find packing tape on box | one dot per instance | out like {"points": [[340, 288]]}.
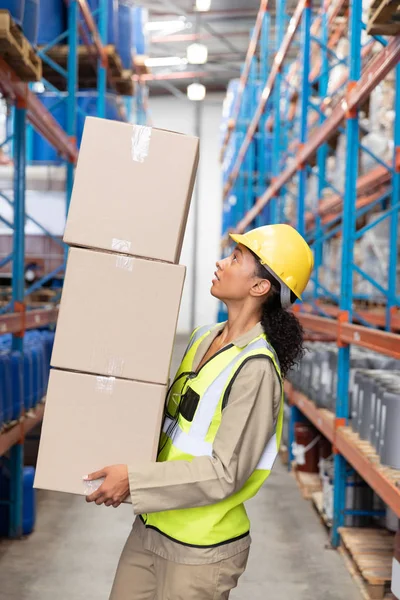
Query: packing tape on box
{"points": [[89, 487], [115, 366], [120, 245], [124, 262], [140, 142], [105, 385]]}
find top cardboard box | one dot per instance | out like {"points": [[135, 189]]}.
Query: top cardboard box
{"points": [[132, 190]]}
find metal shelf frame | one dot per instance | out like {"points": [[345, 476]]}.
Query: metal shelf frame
{"points": [[295, 109], [28, 110]]}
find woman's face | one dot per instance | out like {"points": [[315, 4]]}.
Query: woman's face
{"points": [[235, 276]]}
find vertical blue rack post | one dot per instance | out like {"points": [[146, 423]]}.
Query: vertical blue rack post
{"points": [[346, 290], [18, 270], [72, 86], [276, 144], [102, 68], [394, 218]]}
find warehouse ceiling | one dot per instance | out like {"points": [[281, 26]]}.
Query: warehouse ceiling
{"points": [[225, 30]]}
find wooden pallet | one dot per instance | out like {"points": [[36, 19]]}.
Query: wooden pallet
{"points": [[87, 68], [369, 553], [308, 483], [370, 453], [384, 18], [17, 51], [318, 503]]}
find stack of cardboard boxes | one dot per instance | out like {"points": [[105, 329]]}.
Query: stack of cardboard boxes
{"points": [[120, 301]]}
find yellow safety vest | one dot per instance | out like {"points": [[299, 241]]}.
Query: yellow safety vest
{"points": [[193, 416]]}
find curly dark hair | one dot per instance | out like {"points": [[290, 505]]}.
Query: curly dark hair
{"points": [[281, 327]]}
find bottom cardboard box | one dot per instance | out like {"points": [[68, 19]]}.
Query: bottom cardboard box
{"points": [[91, 422]]}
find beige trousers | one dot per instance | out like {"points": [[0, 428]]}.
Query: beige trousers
{"points": [[143, 575]]}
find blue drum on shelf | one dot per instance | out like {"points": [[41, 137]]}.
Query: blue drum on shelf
{"points": [[125, 34], [31, 20], [28, 501], [52, 21], [6, 385], [17, 380], [139, 35], [28, 379], [42, 151], [112, 20]]}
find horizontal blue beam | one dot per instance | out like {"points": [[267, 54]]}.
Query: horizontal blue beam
{"points": [[53, 65], [53, 43], [35, 222], [370, 279], [377, 221]]}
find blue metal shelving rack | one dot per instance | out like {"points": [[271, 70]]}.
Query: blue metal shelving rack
{"points": [[28, 109], [303, 118]]}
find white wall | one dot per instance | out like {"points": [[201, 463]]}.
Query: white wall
{"points": [[168, 112]]}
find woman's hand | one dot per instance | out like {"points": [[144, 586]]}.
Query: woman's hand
{"points": [[115, 487]]}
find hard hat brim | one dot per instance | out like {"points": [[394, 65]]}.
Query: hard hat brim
{"points": [[242, 239]]}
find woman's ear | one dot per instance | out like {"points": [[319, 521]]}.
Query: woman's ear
{"points": [[260, 288]]}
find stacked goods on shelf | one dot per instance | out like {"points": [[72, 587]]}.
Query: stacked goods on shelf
{"points": [[375, 256], [120, 301], [316, 376], [376, 412], [228, 107], [23, 375]]}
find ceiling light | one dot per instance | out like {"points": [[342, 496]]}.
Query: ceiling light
{"points": [[170, 26], [203, 5], [197, 54], [196, 92], [165, 61]]}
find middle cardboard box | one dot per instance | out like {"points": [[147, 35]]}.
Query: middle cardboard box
{"points": [[118, 316]]}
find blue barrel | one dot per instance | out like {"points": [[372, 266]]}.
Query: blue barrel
{"points": [[125, 34], [6, 385], [2, 420], [33, 349], [42, 151], [41, 370], [31, 20], [52, 21], [139, 36], [28, 379], [16, 8], [112, 20], [48, 342], [17, 381], [28, 501]]}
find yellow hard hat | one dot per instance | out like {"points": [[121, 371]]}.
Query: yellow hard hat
{"points": [[283, 251]]}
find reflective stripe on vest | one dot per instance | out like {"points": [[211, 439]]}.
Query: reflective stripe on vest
{"points": [[184, 440]]}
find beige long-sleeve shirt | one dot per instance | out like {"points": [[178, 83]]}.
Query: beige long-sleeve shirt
{"points": [[247, 425]]}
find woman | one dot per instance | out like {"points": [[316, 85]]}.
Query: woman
{"points": [[221, 431]]}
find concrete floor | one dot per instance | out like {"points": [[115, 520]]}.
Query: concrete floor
{"points": [[73, 553]]}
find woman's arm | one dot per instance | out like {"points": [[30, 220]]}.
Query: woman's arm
{"points": [[246, 427]]}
